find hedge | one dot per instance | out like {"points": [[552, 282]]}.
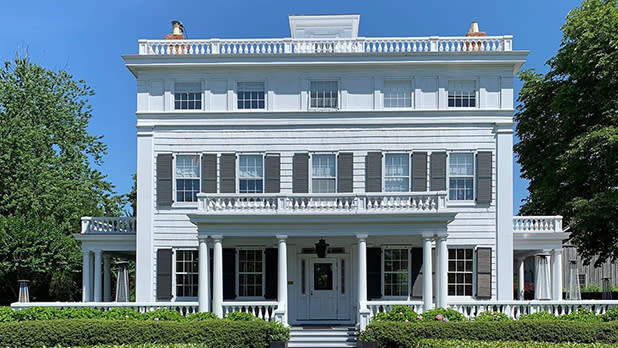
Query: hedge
{"points": [[430, 343], [75, 332], [397, 334], [50, 313]]}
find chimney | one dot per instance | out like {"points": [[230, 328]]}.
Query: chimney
{"points": [[474, 30], [178, 32]]}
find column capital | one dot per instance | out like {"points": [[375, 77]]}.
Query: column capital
{"points": [[556, 251], [203, 238], [217, 238], [97, 251], [362, 237], [281, 237], [429, 237], [107, 257], [441, 238]]}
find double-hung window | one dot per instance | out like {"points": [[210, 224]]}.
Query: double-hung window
{"points": [[188, 96], [250, 272], [250, 174], [461, 176], [461, 94], [460, 271], [396, 272], [324, 94], [323, 173], [396, 172], [397, 94], [186, 273], [187, 178], [250, 95]]}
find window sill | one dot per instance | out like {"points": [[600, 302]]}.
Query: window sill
{"points": [[323, 109], [184, 299], [184, 205], [249, 298], [461, 203]]}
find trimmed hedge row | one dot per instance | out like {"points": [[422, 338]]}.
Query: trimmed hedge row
{"points": [[49, 313], [397, 334], [497, 344], [74, 332]]}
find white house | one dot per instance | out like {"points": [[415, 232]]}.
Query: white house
{"points": [[320, 178]]}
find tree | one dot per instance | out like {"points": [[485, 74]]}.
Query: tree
{"points": [[47, 172], [567, 122]]}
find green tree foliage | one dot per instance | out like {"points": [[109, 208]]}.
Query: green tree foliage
{"points": [[48, 178], [567, 123]]}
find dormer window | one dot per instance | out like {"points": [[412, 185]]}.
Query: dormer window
{"points": [[461, 94], [324, 95], [187, 96]]}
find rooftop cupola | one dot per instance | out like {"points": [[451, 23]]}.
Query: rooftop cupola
{"points": [[324, 26]]}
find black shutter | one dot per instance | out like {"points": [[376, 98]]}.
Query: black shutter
{"points": [[419, 171], [374, 273], [483, 273], [209, 173], [227, 173], [300, 173], [164, 274], [483, 177], [273, 173], [271, 258], [345, 172], [416, 272], [229, 273], [373, 172], [438, 171], [164, 179]]}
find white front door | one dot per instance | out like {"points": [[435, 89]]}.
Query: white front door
{"points": [[323, 289]]}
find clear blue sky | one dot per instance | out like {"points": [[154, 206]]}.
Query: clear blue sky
{"points": [[87, 39]]}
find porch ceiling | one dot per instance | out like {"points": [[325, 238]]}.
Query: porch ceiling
{"points": [[121, 242], [539, 240]]}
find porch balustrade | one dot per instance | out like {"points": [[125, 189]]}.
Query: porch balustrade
{"points": [[537, 224], [261, 309], [184, 308], [123, 224]]}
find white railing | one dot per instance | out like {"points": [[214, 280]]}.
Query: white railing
{"points": [[122, 224], [183, 308], [385, 306], [320, 203], [532, 224], [287, 46], [261, 309]]}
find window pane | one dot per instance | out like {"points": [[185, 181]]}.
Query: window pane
{"points": [[397, 94], [396, 272], [323, 94], [186, 273], [250, 95], [460, 273], [250, 266], [397, 172], [461, 94], [188, 96], [461, 174]]}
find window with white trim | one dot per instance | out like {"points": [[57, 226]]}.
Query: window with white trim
{"points": [[323, 173], [461, 176], [460, 271], [461, 94], [250, 95], [186, 273], [250, 272], [187, 178], [250, 173], [323, 94], [397, 94], [187, 96], [397, 172], [396, 272]]}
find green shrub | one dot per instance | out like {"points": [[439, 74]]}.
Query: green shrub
{"points": [[202, 316], [401, 313], [432, 343], [610, 315], [581, 314], [6, 314], [240, 316], [492, 316], [441, 314], [37, 313], [80, 313], [538, 316], [164, 314]]}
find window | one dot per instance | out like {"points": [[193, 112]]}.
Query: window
{"points": [[460, 272], [188, 96], [250, 276], [396, 172], [323, 177], [250, 95], [186, 273], [461, 176], [324, 94], [187, 178], [251, 174], [397, 94], [396, 272], [323, 276], [461, 94]]}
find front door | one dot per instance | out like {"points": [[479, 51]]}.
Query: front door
{"points": [[323, 280]]}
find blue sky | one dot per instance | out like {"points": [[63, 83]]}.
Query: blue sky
{"points": [[87, 39]]}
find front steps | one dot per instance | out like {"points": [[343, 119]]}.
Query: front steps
{"points": [[322, 336]]}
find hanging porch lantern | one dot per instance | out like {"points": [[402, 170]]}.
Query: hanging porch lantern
{"points": [[321, 247]]}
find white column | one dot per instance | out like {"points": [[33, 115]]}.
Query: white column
{"points": [[520, 279], [427, 274], [203, 269], [144, 249], [282, 281], [442, 272], [107, 278], [86, 277], [556, 274], [98, 280], [363, 311], [217, 276], [504, 212]]}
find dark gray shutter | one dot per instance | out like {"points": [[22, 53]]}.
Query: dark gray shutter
{"points": [[373, 172], [416, 272], [419, 171], [164, 179], [271, 258], [483, 177], [483, 273], [345, 172], [227, 173], [374, 273], [229, 273], [164, 274], [300, 173], [209, 173], [438, 171], [273, 173]]}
